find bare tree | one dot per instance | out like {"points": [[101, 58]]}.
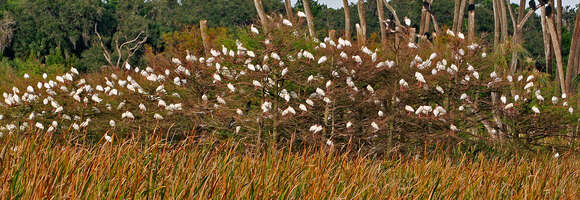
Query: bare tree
{"points": [[289, 11], [496, 25], [382, 22], [130, 47], [347, 32], [456, 14], [461, 16], [262, 14], [557, 50], [471, 21], [573, 59], [363, 21], [517, 27], [547, 41], [309, 18], [504, 20], [204, 37]]}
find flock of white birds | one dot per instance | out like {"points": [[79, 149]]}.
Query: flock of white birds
{"points": [[52, 114]]}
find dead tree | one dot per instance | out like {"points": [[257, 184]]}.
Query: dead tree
{"points": [[204, 37], [516, 37], [456, 14], [461, 16], [547, 41], [471, 21], [289, 11], [504, 20], [363, 22], [347, 32], [573, 59], [309, 18], [262, 15], [382, 22], [557, 50], [129, 48], [496, 25]]}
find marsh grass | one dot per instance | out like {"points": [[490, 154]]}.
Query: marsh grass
{"points": [[36, 167]]}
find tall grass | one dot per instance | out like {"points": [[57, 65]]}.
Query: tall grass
{"points": [[35, 167]]}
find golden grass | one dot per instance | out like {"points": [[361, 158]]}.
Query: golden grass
{"points": [[35, 167]]}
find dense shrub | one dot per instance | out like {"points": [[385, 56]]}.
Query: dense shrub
{"points": [[283, 87]]}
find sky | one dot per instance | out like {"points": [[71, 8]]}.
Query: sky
{"points": [[338, 3]]}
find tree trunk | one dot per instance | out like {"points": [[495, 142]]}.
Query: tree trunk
{"points": [[262, 15], [471, 21], [309, 18], [571, 72], [381, 13], [558, 52], [363, 21], [332, 34], [423, 16], [504, 21], [456, 14], [559, 21], [359, 35], [427, 19], [496, 24], [347, 33], [205, 37], [461, 16], [289, 11], [547, 45]]}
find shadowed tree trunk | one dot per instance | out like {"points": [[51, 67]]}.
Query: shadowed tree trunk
{"points": [[427, 18], [289, 11], [262, 15], [573, 64], [381, 14], [496, 24], [504, 21], [363, 21], [204, 37], [471, 21], [309, 18], [456, 14], [547, 43], [461, 16], [347, 32], [557, 51]]}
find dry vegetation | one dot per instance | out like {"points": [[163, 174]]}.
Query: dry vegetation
{"points": [[33, 167]]}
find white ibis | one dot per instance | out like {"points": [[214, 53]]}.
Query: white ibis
{"points": [[322, 59], [375, 126], [554, 100], [112, 123], [348, 124], [407, 21], [571, 110], [530, 78], [409, 109], [157, 116], [231, 87], [536, 110], [420, 78], [303, 107], [503, 99], [301, 14], [461, 36], [108, 138], [287, 22], [254, 29]]}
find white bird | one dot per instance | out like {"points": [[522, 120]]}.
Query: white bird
{"points": [[322, 60], [539, 97], [239, 111], [554, 100], [142, 107], [536, 110], [301, 14], [287, 22], [517, 97], [108, 138], [407, 21], [530, 77], [463, 96], [112, 123], [231, 87], [303, 107], [370, 89], [26, 76], [380, 113], [348, 124], [310, 78], [316, 128], [127, 66], [217, 78], [220, 100], [571, 110], [254, 29], [309, 102], [508, 106], [256, 83], [453, 128], [409, 109], [529, 85], [375, 126], [320, 92], [460, 36], [420, 78], [440, 89], [157, 116], [503, 99]]}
